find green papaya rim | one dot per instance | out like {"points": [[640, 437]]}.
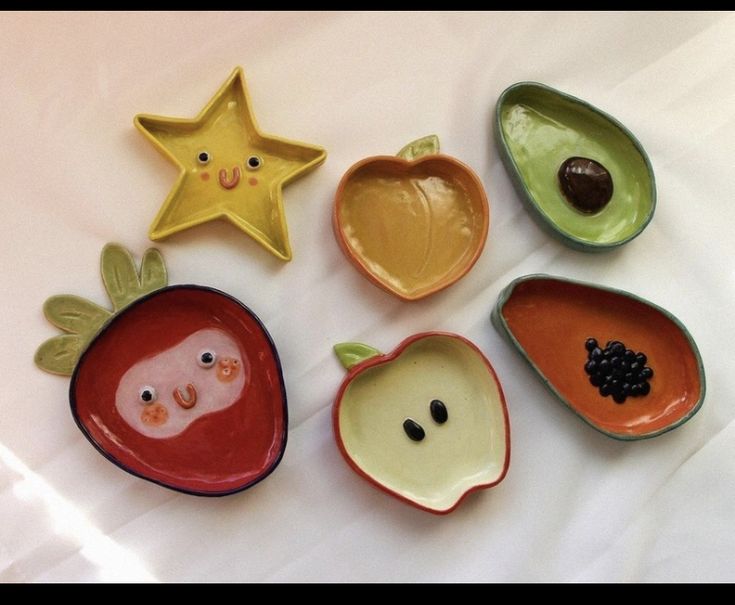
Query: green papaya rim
{"points": [[512, 167], [501, 326]]}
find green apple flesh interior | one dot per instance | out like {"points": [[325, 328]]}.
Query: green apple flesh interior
{"points": [[427, 423]]}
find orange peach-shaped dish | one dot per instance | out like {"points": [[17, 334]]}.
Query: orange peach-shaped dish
{"points": [[414, 223]]}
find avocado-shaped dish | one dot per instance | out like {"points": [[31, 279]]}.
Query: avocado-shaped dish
{"points": [[582, 174], [627, 367]]}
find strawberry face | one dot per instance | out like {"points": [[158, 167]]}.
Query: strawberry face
{"points": [[162, 396], [184, 388]]}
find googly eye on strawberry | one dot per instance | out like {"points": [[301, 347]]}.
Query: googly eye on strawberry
{"points": [[147, 395], [179, 385], [206, 359]]}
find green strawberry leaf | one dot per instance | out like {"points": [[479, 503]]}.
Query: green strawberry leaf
{"points": [[152, 272], [59, 355], [75, 314], [120, 276]]}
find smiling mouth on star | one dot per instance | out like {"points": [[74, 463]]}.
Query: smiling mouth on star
{"points": [[190, 400], [229, 183]]}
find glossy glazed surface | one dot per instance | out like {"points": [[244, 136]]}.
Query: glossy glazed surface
{"points": [[539, 129], [467, 451], [181, 389], [412, 227], [360, 83], [241, 178], [549, 320], [226, 445]]}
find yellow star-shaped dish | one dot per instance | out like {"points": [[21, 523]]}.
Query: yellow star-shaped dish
{"points": [[229, 169]]}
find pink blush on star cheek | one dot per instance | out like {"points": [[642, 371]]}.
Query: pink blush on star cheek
{"points": [[185, 388], [204, 176]]}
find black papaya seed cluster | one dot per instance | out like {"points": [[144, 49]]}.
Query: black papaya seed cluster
{"points": [[617, 371]]}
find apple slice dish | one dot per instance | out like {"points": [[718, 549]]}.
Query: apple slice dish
{"points": [[426, 423]]}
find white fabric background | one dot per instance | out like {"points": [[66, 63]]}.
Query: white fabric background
{"points": [[575, 505]]}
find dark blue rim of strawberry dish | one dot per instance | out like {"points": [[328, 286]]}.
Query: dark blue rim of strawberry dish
{"points": [[115, 461]]}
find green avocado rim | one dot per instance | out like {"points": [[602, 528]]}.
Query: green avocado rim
{"points": [[542, 218]]}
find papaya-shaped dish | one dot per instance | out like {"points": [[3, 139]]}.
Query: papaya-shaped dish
{"points": [[625, 366], [582, 174], [426, 423], [414, 223], [179, 385]]}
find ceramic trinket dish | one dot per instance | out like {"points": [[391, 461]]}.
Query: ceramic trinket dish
{"points": [[583, 176], [179, 385], [624, 365], [426, 423], [414, 223], [228, 169]]}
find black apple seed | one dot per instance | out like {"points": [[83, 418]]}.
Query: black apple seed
{"points": [[413, 429], [438, 411]]}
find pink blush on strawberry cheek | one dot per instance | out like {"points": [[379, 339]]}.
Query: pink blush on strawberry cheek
{"points": [[228, 369], [155, 415]]}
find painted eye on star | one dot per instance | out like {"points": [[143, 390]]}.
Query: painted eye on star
{"points": [[206, 358], [147, 395], [254, 162], [204, 157]]}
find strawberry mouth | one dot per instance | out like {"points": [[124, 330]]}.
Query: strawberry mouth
{"points": [[226, 182], [185, 403]]}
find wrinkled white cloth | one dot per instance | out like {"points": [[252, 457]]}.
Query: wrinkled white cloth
{"points": [[576, 505]]}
